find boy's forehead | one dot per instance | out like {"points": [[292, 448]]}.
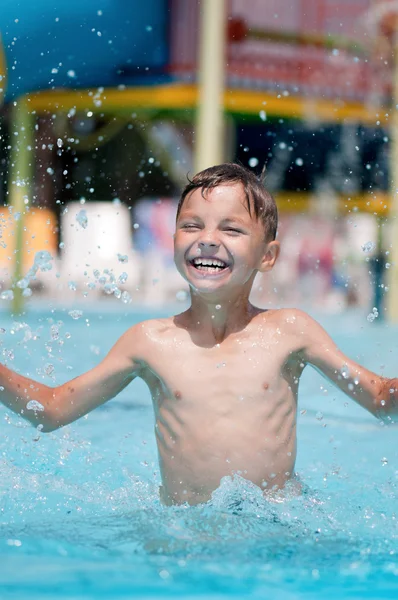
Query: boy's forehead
{"points": [[223, 197]]}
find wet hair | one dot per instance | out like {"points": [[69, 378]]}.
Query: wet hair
{"points": [[259, 200]]}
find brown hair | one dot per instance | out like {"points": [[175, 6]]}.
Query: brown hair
{"points": [[257, 197]]}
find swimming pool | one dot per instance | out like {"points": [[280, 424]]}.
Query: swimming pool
{"points": [[80, 515]]}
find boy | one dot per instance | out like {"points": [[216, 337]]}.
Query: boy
{"points": [[224, 374]]}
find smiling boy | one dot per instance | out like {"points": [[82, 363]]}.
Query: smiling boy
{"points": [[224, 374]]}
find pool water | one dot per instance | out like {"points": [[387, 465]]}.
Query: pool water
{"points": [[80, 513]]}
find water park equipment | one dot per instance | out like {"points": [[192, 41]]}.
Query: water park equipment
{"points": [[304, 61]]}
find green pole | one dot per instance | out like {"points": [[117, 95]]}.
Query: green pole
{"points": [[19, 185]]}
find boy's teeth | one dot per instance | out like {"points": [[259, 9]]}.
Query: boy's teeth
{"points": [[209, 262]]}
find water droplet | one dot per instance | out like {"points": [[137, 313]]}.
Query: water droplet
{"points": [[54, 332], [384, 461], [218, 306], [71, 73], [368, 246], [49, 369], [122, 258], [253, 162], [72, 286], [34, 405], [82, 219], [126, 298], [345, 371], [373, 315], [23, 283], [7, 295], [41, 261], [263, 115], [109, 288], [75, 314], [181, 296], [299, 162]]}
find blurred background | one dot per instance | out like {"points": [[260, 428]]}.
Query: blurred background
{"points": [[106, 106]]}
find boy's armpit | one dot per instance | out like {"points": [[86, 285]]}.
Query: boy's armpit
{"points": [[121, 365]]}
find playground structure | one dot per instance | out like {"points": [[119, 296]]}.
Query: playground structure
{"points": [[302, 62]]}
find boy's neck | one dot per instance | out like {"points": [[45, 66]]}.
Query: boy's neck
{"points": [[215, 320]]}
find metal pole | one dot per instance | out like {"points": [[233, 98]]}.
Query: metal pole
{"points": [[392, 295], [209, 148], [19, 185]]}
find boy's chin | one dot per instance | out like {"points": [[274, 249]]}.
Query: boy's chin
{"points": [[208, 288]]}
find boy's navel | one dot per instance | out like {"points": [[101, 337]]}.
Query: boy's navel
{"points": [[177, 395]]}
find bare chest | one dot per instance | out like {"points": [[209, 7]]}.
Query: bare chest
{"points": [[234, 377]]}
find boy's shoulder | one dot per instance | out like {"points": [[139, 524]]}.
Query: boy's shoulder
{"points": [[292, 322], [143, 339], [152, 329], [286, 316]]}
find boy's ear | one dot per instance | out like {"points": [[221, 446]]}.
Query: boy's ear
{"points": [[271, 254]]}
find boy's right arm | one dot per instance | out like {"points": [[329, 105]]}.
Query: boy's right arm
{"points": [[66, 403]]}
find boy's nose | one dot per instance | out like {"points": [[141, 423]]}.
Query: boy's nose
{"points": [[206, 245]]}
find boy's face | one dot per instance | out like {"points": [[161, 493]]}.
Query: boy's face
{"points": [[218, 244]]}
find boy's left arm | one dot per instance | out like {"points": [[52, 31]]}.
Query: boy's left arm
{"points": [[379, 395]]}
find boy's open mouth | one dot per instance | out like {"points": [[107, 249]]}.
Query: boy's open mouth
{"points": [[209, 265]]}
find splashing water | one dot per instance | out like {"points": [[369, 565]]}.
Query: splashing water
{"points": [[84, 501]]}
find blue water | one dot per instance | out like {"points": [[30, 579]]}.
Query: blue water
{"points": [[79, 510]]}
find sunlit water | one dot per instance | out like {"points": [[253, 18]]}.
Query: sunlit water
{"points": [[80, 513]]}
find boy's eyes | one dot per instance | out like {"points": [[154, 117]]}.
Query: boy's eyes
{"points": [[196, 226], [233, 230], [190, 226]]}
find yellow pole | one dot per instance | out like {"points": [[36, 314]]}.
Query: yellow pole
{"points": [[209, 148], [392, 295], [20, 185]]}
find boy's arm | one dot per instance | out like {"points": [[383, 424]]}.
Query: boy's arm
{"points": [[379, 395], [63, 404]]}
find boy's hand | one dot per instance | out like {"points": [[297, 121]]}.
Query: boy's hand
{"points": [[377, 394], [54, 407]]}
